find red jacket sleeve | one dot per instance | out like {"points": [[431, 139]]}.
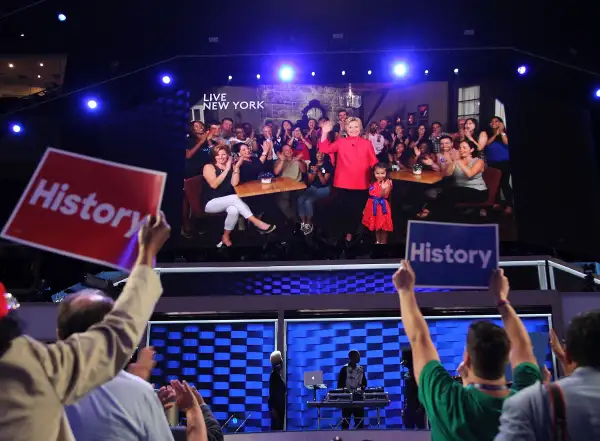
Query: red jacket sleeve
{"points": [[329, 147]]}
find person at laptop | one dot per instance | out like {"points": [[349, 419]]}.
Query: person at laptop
{"points": [[353, 377], [277, 392]]}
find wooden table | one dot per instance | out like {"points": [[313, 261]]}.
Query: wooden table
{"points": [[426, 176], [277, 185]]}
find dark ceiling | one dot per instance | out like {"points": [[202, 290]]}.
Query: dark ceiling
{"points": [[107, 31]]}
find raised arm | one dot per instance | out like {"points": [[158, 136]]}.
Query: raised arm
{"points": [[325, 146], [561, 356], [415, 327], [521, 347], [87, 360]]}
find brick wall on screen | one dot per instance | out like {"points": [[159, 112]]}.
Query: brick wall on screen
{"points": [[324, 345], [227, 362], [286, 101]]}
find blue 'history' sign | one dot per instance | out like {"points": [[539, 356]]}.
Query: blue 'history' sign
{"points": [[459, 256]]}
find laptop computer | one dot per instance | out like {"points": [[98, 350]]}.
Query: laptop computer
{"points": [[313, 378]]}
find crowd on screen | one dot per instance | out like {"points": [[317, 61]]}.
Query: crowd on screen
{"points": [[77, 388], [342, 165]]}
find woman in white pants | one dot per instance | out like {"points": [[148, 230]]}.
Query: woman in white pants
{"points": [[221, 178]]}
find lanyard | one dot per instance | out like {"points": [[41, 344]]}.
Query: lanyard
{"points": [[490, 387]]}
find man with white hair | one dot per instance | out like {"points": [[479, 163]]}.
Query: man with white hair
{"points": [[277, 392]]}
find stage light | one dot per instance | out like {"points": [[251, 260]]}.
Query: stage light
{"points": [[22, 35], [39, 76], [286, 73], [597, 94], [343, 72], [230, 78], [426, 72], [522, 70], [62, 17], [92, 104], [456, 71], [258, 76], [400, 69], [16, 128], [41, 64], [313, 74], [11, 65], [369, 72], [166, 79]]}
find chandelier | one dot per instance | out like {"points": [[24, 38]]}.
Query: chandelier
{"points": [[350, 99]]}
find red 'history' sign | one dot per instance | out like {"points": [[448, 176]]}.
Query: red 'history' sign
{"points": [[86, 208]]}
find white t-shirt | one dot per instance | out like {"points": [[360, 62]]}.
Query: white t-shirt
{"points": [[378, 142]]}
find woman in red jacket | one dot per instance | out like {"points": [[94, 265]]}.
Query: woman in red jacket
{"points": [[355, 159]]}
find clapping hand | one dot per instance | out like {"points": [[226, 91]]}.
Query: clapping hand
{"points": [[185, 398], [229, 163], [385, 184], [239, 162], [404, 278], [198, 396], [427, 160], [267, 147], [167, 397]]}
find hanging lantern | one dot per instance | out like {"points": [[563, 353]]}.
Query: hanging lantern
{"points": [[350, 99]]}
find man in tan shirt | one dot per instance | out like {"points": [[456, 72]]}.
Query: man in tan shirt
{"points": [[38, 380]]}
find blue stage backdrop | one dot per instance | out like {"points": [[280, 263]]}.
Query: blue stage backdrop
{"points": [[324, 345], [227, 361], [286, 283]]}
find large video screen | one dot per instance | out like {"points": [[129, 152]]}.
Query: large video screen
{"points": [[334, 164]]}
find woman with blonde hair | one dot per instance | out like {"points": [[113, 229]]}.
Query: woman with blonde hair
{"points": [[355, 159]]}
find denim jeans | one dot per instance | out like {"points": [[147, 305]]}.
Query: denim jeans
{"points": [[307, 199]]}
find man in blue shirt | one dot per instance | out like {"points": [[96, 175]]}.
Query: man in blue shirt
{"points": [[126, 408], [529, 415]]}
